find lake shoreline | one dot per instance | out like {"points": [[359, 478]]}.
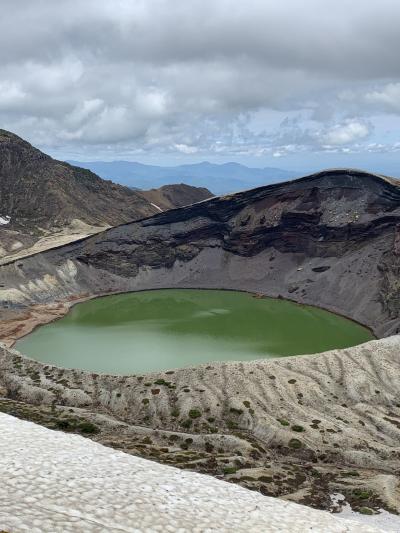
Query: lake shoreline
{"points": [[14, 329], [268, 312]]}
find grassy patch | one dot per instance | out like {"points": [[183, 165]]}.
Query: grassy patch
{"points": [[283, 422], [362, 494], [87, 427], [230, 470]]}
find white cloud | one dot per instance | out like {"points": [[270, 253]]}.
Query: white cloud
{"points": [[11, 94], [155, 75], [347, 133], [84, 110], [185, 149], [388, 96]]}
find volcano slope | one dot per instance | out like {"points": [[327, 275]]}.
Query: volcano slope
{"points": [[300, 428], [44, 202], [42, 198]]}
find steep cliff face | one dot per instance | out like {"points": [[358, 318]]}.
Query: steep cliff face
{"points": [[38, 192], [330, 239]]}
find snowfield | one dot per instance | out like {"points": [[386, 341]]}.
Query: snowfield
{"points": [[56, 482]]}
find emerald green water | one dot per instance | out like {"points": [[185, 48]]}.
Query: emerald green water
{"points": [[163, 329]]}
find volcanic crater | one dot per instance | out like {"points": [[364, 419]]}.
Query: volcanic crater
{"points": [[301, 428]]}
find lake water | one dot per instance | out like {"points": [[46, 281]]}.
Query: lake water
{"points": [[163, 329]]}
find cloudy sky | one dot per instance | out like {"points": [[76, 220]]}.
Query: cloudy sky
{"points": [[298, 84]]}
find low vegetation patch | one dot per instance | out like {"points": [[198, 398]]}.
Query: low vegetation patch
{"points": [[295, 444], [230, 470], [194, 413], [283, 422]]}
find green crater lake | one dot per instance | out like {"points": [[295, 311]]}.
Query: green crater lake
{"points": [[172, 328]]}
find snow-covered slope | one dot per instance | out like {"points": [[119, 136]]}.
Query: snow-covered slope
{"points": [[55, 482]]}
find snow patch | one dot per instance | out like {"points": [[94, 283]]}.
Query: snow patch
{"points": [[156, 206], [53, 481], [4, 220], [386, 521]]}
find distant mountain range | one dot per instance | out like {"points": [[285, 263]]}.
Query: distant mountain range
{"points": [[219, 179]]}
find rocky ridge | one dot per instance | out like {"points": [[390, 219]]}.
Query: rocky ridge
{"points": [[45, 202], [38, 193]]}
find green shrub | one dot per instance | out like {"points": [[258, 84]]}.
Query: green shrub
{"points": [[65, 425], [362, 494], [230, 470], [283, 422], [162, 382], [87, 427]]}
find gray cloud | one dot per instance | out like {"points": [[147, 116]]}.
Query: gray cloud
{"points": [[154, 76]]}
